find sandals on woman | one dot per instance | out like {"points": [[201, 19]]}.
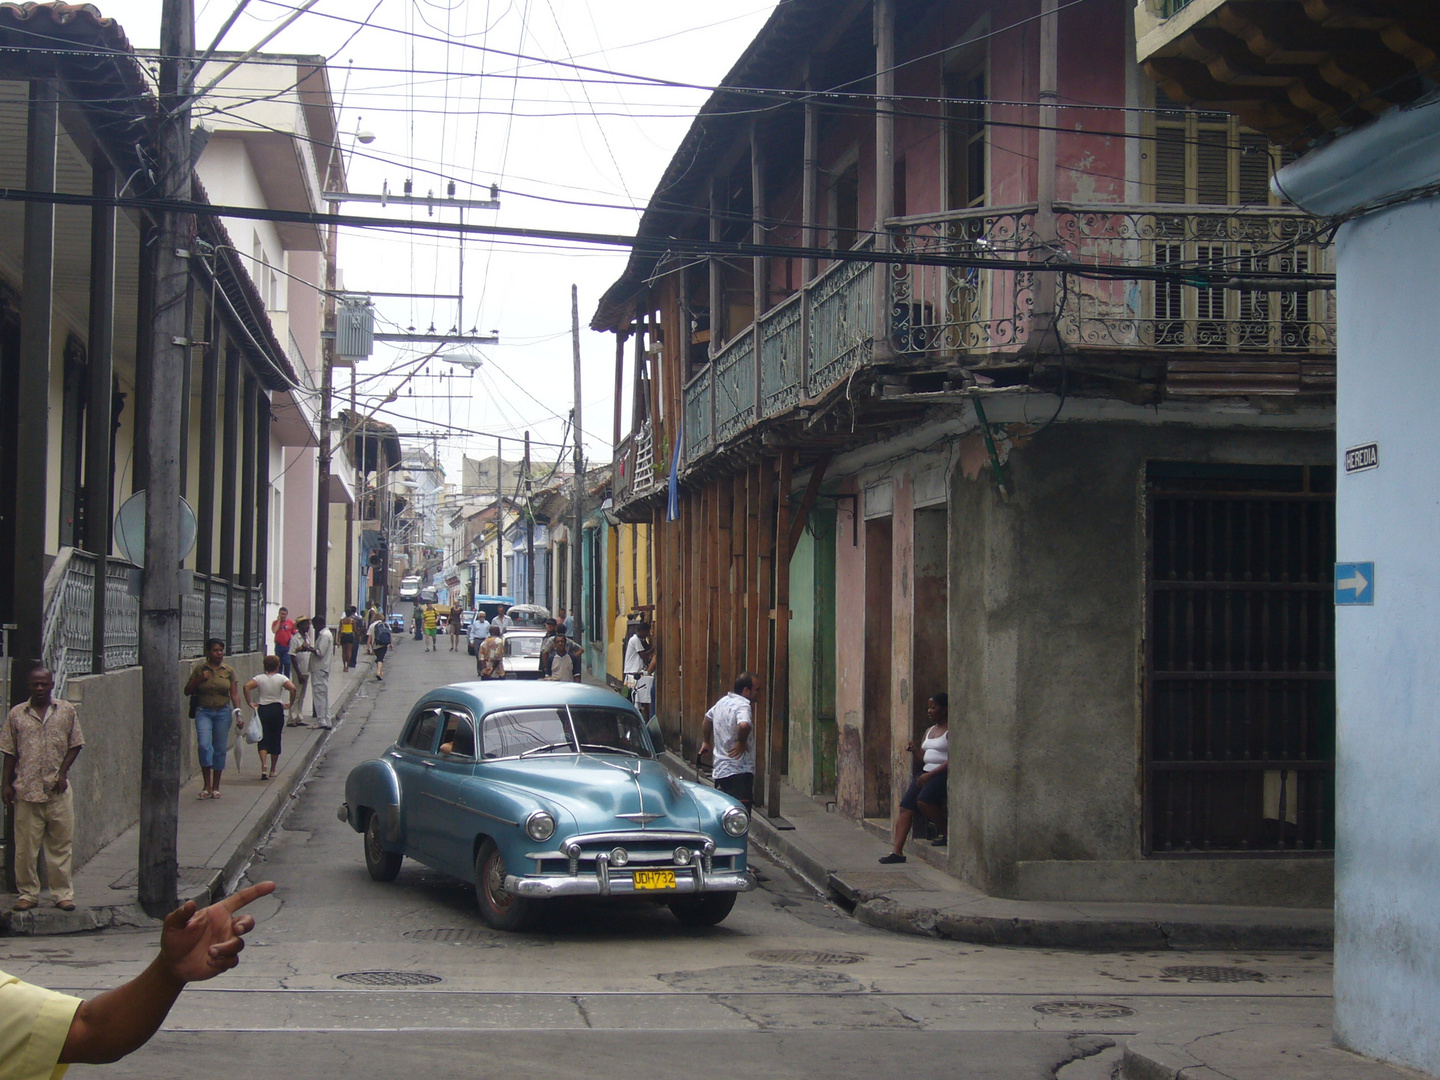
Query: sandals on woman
{"points": [[203, 795]]}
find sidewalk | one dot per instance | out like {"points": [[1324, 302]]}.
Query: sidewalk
{"points": [[216, 837], [839, 858]]}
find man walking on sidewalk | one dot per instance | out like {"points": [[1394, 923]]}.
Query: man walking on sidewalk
{"points": [[321, 653], [727, 732], [40, 741], [302, 653]]}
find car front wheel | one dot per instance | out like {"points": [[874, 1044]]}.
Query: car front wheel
{"points": [[707, 909], [500, 909], [383, 865]]}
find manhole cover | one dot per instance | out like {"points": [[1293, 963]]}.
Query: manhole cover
{"points": [[388, 978], [448, 935], [882, 881], [805, 956], [1083, 1010], [1205, 974]]}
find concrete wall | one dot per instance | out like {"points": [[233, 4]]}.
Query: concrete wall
{"points": [[106, 776], [1046, 634], [1387, 916]]}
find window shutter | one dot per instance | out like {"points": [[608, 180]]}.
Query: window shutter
{"points": [[1169, 163], [1254, 169], [1212, 167]]}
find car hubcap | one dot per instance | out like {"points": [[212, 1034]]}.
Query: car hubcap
{"points": [[500, 900]]}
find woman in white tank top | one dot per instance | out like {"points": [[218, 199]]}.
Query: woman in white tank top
{"points": [[265, 694], [926, 793]]}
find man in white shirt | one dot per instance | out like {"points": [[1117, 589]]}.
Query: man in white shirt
{"points": [[321, 652], [728, 727], [479, 630], [634, 666], [503, 620]]}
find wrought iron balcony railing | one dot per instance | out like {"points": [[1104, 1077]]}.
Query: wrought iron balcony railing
{"points": [[819, 336]]}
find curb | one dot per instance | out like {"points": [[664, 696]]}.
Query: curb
{"points": [[48, 922], [953, 924]]}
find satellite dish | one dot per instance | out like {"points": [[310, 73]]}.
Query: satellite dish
{"points": [[130, 528]]}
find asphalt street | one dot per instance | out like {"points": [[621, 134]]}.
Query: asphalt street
{"points": [[352, 979]]}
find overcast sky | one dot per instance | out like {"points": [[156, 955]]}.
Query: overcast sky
{"points": [[434, 83]]}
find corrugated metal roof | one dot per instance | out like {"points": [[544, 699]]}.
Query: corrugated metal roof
{"points": [[771, 61]]}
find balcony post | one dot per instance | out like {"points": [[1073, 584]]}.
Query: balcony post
{"points": [[1044, 316], [99, 464], [884, 167], [717, 283], [37, 274], [248, 435], [205, 504], [809, 231], [262, 501], [229, 470], [619, 388], [759, 266]]}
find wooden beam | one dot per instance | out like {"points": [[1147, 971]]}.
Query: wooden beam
{"points": [[807, 503], [780, 666]]}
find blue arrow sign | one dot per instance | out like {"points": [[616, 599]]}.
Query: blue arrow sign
{"points": [[1354, 583]]}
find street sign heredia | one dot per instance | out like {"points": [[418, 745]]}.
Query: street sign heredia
{"points": [[1354, 583], [1362, 457]]}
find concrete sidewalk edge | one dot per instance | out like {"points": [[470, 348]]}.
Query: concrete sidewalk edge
{"points": [[1015, 922], [50, 921]]}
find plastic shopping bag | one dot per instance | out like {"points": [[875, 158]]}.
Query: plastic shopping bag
{"points": [[253, 731]]}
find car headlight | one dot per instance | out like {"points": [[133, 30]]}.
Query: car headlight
{"points": [[735, 821], [540, 825], [683, 855], [619, 857]]}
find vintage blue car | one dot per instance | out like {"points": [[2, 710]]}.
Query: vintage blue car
{"points": [[535, 790]]}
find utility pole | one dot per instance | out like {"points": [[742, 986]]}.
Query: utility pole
{"points": [[529, 530], [499, 521], [170, 354], [350, 506], [327, 369], [577, 625]]}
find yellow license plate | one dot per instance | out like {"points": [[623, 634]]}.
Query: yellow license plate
{"points": [[654, 879]]}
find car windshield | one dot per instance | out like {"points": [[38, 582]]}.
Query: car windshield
{"points": [[596, 730], [523, 644]]}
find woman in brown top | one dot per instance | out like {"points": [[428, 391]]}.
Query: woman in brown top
{"points": [[217, 700]]}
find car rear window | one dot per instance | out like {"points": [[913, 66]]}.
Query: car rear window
{"points": [[523, 645], [421, 735], [506, 734]]}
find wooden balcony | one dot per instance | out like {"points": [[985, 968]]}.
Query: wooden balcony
{"points": [[1291, 70], [1186, 339]]}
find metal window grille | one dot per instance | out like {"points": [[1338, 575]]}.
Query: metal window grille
{"points": [[1240, 645]]}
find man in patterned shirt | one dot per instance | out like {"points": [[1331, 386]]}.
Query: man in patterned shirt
{"points": [[40, 740]]}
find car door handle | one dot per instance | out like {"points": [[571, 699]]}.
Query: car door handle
{"points": [[397, 757], [428, 764]]}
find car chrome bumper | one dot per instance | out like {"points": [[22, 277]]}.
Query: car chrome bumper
{"points": [[606, 882]]}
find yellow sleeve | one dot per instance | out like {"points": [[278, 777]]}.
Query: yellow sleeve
{"points": [[34, 1023]]}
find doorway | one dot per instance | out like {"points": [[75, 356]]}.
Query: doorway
{"points": [[877, 745], [930, 646]]}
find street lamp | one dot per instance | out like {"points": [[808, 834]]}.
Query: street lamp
{"points": [[468, 360]]}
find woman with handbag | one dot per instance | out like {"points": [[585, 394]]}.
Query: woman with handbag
{"points": [[217, 698], [269, 705]]}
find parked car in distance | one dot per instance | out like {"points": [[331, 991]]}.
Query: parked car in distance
{"points": [[522, 653], [466, 618], [397, 622], [409, 587], [535, 790]]}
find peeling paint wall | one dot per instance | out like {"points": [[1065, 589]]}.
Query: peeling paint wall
{"points": [[1046, 628]]}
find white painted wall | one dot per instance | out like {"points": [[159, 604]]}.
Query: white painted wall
{"points": [[1387, 948]]}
